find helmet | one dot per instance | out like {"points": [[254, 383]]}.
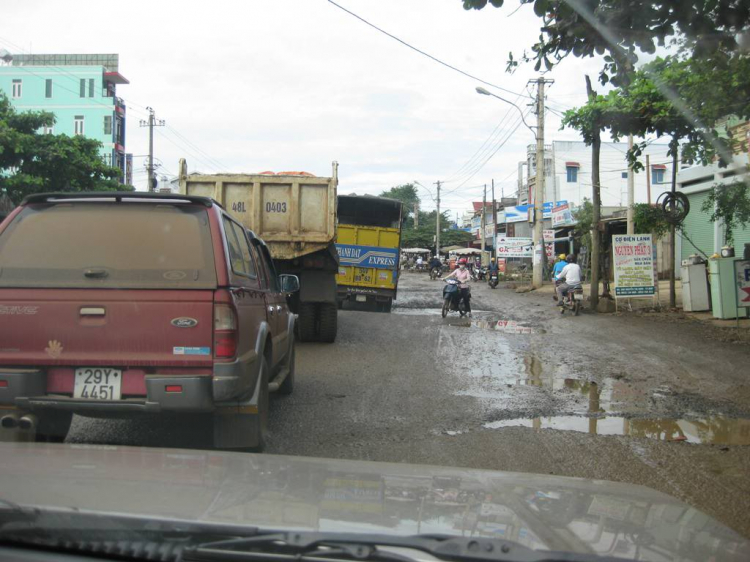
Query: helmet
{"points": [[570, 258], [462, 261], [561, 257]]}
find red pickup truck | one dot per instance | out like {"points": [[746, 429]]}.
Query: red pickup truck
{"points": [[116, 304]]}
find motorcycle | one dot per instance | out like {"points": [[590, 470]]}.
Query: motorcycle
{"points": [[436, 273], [573, 301], [452, 301], [481, 273], [493, 279]]}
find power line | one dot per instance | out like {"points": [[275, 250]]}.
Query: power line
{"points": [[500, 145], [437, 60], [488, 140], [190, 152]]}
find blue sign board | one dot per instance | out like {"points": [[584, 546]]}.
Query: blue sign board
{"points": [[520, 213], [367, 256]]}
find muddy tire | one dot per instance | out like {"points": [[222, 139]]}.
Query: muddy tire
{"points": [[245, 432], [446, 307], [328, 323], [385, 306], [53, 427], [306, 323], [287, 387]]}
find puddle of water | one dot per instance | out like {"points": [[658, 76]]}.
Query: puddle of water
{"points": [[717, 430], [429, 312], [503, 326]]}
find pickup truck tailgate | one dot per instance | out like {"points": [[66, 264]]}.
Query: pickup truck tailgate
{"points": [[128, 328]]}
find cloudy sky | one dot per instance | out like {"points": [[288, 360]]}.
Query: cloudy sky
{"points": [[255, 85]]}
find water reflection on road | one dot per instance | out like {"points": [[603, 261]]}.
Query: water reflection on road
{"points": [[716, 430]]}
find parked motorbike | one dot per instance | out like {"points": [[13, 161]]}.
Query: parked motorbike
{"points": [[452, 301], [492, 280], [573, 301]]}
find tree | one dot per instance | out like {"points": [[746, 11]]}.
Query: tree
{"points": [[617, 29], [424, 235], [590, 121], [31, 162], [407, 194], [729, 204]]}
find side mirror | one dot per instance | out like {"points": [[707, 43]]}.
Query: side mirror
{"points": [[289, 283]]}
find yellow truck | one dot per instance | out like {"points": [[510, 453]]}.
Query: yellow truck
{"points": [[368, 242]]}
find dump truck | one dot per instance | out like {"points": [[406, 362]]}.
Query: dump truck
{"points": [[295, 214], [368, 240]]}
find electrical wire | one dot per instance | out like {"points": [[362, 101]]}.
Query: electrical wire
{"points": [[437, 60], [481, 159], [510, 133], [483, 147]]}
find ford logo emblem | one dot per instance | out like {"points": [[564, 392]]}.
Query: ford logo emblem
{"points": [[184, 322]]}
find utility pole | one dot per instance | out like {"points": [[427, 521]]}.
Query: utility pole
{"points": [[539, 186], [648, 179], [151, 123], [484, 218], [631, 191], [437, 222], [416, 215], [494, 221]]}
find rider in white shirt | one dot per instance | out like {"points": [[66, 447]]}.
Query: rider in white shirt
{"points": [[570, 277]]}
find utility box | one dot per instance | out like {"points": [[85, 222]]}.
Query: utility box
{"points": [[723, 288], [694, 288]]}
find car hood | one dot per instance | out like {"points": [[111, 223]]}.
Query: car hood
{"points": [[282, 492]]}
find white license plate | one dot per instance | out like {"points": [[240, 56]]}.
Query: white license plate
{"points": [[361, 298], [98, 383], [578, 296]]}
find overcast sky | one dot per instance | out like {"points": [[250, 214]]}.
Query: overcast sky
{"points": [[248, 86]]}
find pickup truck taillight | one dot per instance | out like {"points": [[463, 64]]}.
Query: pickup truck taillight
{"points": [[225, 331]]}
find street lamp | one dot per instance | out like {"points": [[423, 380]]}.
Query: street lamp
{"points": [[538, 182], [486, 92]]}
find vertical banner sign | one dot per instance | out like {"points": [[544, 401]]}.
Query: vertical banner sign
{"points": [[634, 265], [742, 280], [128, 169], [549, 243]]}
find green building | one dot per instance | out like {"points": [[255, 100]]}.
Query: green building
{"points": [[81, 90], [699, 234]]}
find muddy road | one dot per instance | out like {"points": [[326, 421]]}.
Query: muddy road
{"points": [[517, 388]]}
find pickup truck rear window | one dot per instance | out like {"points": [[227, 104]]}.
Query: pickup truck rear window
{"points": [[108, 245]]}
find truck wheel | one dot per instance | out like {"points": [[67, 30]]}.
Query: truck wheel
{"points": [[53, 427], [328, 322], [385, 306], [306, 322], [288, 385]]}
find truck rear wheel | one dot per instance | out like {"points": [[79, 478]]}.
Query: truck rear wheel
{"points": [[328, 315], [385, 306], [306, 322]]}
